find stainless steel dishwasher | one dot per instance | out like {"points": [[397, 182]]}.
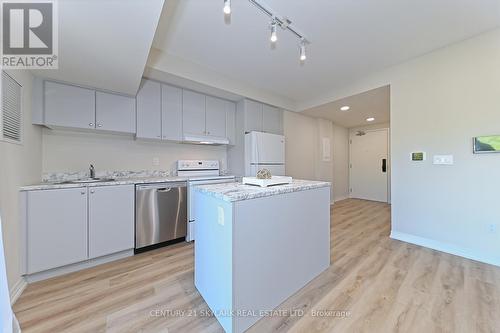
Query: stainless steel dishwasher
{"points": [[160, 213]]}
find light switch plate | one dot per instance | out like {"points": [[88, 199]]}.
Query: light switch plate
{"points": [[443, 159]]}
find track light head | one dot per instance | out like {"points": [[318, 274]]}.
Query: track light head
{"points": [[302, 46], [274, 28], [227, 7]]}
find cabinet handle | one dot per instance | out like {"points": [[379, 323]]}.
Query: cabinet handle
{"points": [[91, 124], [82, 192], [92, 191], [99, 125], [208, 132]]}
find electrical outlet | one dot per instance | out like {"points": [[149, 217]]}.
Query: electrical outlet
{"points": [[443, 159], [156, 161], [220, 215], [493, 228]]}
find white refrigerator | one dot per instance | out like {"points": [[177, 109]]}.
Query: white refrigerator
{"points": [[264, 151]]}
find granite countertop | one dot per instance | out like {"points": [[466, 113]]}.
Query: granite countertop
{"points": [[118, 181], [237, 191]]}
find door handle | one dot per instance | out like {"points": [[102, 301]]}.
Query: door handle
{"points": [[384, 165]]}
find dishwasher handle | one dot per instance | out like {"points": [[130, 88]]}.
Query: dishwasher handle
{"points": [[164, 190], [161, 186]]}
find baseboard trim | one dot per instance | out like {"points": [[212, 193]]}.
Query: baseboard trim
{"points": [[44, 275], [340, 198], [17, 289], [444, 247]]}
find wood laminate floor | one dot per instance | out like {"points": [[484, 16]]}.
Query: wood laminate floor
{"points": [[374, 284]]}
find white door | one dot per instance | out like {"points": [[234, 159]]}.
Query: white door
{"points": [[111, 219], [272, 119], [265, 148], [171, 108], [114, 112], [193, 113], [148, 103], [69, 106], [57, 228], [369, 165], [216, 117]]}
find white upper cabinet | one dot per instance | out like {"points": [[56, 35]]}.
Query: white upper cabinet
{"points": [[272, 119], [115, 112], [149, 110], [56, 228], [69, 106], [231, 122], [111, 219], [159, 111], [215, 117], [193, 113], [171, 108], [253, 116]]}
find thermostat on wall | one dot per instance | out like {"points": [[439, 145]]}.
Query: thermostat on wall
{"points": [[418, 156]]}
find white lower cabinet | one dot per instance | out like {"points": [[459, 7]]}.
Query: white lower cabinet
{"points": [[67, 226], [56, 228], [111, 219]]}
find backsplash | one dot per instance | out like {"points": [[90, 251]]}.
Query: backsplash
{"points": [[52, 177]]}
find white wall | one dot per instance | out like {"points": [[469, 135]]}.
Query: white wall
{"points": [[74, 151], [438, 103], [304, 148], [19, 165], [340, 162]]}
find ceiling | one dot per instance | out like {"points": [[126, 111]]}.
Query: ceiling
{"points": [[373, 103], [105, 44], [350, 39]]}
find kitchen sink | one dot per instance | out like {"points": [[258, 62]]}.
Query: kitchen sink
{"points": [[87, 181]]}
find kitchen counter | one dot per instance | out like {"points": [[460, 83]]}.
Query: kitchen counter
{"points": [[231, 192], [119, 181]]}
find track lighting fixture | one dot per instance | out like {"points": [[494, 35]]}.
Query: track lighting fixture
{"points": [[227, 7], [276, 21]]}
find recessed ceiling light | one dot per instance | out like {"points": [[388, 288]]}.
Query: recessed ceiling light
{"points": [[345, 108], [370, 119]]}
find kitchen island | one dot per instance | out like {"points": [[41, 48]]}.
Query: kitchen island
{"points": [[255, 247]]}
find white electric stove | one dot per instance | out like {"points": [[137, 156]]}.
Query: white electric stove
{"points": [[199, 172]]}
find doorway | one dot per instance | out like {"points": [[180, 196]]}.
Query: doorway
{"points": [[369, 165]]}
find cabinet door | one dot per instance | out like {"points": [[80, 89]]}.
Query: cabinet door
{"points": [[272, 120], [215, 117], [57, 228], [231, 122], [253, 116], [193, 113], [115, 112], [149, 110], [111, 219], [69, 106], [171, 108]]}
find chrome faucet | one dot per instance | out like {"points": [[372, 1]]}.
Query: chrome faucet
{"points": [[92, 171]]}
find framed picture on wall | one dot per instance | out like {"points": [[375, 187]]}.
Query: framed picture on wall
{"points": [[486, 144]]}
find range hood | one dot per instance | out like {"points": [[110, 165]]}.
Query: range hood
{"points": [[205, 140]]}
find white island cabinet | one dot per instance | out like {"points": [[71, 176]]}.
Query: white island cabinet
{"points": [[255, 247]]}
